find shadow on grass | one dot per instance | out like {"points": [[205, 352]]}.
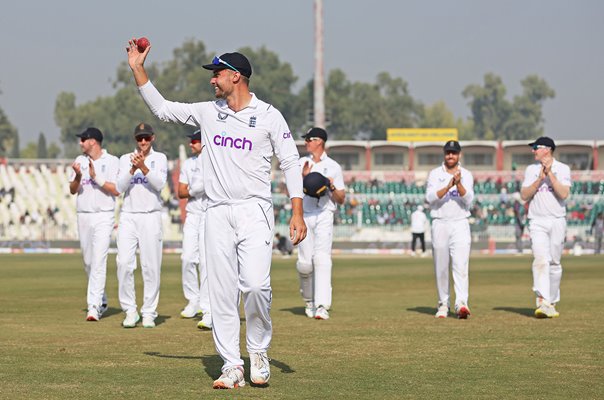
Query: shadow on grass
{"points": [[295, 310], [527, 312], [424, 310], [161, 319], [111, 311], [212, 364]]}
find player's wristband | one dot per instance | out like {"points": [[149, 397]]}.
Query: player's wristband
{"points": [[100, 182]]}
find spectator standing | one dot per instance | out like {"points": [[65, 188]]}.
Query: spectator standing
{"points": [[418, 229]]}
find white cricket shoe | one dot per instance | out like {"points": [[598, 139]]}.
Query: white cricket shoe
{"points": [[190, 311], [442, 312], [321, 313], [206, 321], [148, 321], [309, 309], [231, 378], [260, 371], [93, 314], [131, 320], [462, 311], [546, 311]]}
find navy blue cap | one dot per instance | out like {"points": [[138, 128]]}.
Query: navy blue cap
{"points": [[91, 133]]}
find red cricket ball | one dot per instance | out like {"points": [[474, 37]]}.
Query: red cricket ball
{"points": [[142, 44]]}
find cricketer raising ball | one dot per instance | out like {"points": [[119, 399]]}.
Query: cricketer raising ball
{"points": [[142, 44]]}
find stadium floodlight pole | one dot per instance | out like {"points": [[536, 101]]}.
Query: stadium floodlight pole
{"points": [[319, 83]]}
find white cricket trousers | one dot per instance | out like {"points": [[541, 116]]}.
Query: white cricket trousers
{"points": [[94, 230], [314, 259], [239, 242], [547, 242], [451, 241], [194, 271], [142, 231]]}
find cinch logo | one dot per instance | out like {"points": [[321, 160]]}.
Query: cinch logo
{"points": [[287, 135], [138, 180], [226, 141], [88, 181], [545, 188], [453, 193]]}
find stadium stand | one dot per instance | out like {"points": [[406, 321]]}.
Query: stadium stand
{"points": [[35, 203]]}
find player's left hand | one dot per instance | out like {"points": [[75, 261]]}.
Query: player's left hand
{"points": [[91, 170], [297, 229], [306, 169], [138, 160], [457, 177]]}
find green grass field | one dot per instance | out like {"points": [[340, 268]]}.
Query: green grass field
{"points": [[382, 341]]}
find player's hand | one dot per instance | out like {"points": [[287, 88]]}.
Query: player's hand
{"points": [[137, 160], [457, 177], [542, 173], [297, 229], [77, 168], [135, 57], [451, 183], [306, 169], [91, 170]]}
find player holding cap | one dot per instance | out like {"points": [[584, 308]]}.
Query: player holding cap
{"points": [[546, 185], [141, 178], [241, 133], [93, 180], [314, 254], [450, 193], [194, 271]]}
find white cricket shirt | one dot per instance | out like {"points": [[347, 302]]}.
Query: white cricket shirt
{"points": [[238, 148], [545, 203], [91, 198], [329, 168], [452, 206], [142, 193], [190, 170], [418, 221]]}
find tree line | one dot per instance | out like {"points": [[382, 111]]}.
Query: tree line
{"points": [[356, 110]]}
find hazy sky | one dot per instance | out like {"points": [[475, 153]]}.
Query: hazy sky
{"points": [[438, 47]]}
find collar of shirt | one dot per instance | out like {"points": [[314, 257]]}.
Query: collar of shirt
{"points": [[223, 106], [444, 167], [151, 151]]}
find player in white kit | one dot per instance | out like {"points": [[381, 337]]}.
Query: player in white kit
{"points": [[450, 191], [93, 180], [141, 178], [194, 271], [314, 254], [546, 185], [241, 133]]}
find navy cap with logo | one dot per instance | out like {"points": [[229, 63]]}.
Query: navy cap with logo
{"points": [[452, 145], [316, 132], [234, 61], [91, 133], [316, 185], [544, 141], [143, 129], [195, 135]]}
